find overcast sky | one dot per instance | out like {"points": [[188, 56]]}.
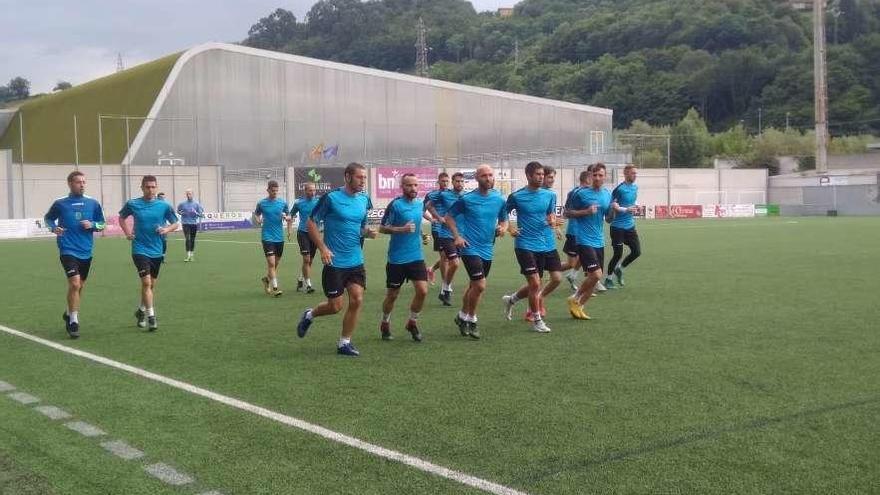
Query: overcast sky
{"points": [[49, 41]]}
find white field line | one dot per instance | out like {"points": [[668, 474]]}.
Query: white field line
{"points": [[370, 448], [200, 240]]}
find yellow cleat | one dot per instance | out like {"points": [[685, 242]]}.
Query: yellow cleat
{"points": [[576, 311]]}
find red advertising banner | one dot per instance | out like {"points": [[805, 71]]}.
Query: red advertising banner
{"points": [[678, 211]]}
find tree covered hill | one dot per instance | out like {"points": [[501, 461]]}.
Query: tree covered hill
{"points": [[649, 60]]}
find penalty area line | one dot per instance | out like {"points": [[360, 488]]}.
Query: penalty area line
{"points": [[376, 450]]}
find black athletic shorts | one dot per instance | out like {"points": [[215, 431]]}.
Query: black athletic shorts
{"points": [[436, 244], [306, 246], [275, 249], [592, 259], [477, 268], [620, 237], [537, 262], [74, 266], [397, 274], [570, 247], [147, 266], [335, 280], [447, 247]]}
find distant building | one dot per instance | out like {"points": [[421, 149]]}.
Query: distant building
{"points": [[800, 4], [505, 12]]}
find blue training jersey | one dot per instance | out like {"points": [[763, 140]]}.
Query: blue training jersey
{"points": [[625, 194], [476, 216], [434, 198], [344, 216], [404, 247], [532, 208], [190, 212], [273, 211], [590, 229], [304, 207], [67, 212], [444, 202], [570, 225], [148, 217]]}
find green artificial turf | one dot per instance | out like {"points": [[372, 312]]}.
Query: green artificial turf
{"points": [[741, 357]]}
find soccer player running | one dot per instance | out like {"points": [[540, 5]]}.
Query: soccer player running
{"points": [[307, 248], [190, 212], [588, 207], [153, 219], [271, 212], [483, 217], [535, 217], [436, 222], [623, 227], [402, 220], [570, 247], [438, 206], [344, 213], [74, 219]]}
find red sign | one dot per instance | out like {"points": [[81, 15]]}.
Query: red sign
{"points": [[678, 211]]}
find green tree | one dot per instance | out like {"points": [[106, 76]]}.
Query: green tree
{"points": [[690, 141], [274, 31], [62, 85], [19, 87]]}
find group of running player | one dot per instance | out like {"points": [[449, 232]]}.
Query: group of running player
{"points": [[465, 226]]}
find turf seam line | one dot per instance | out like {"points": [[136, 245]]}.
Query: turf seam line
{"points": [[376, 450]]}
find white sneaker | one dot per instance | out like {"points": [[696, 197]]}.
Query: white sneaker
{"points": [[508, 306], [572, 281], [600, 287], [540, 327]]}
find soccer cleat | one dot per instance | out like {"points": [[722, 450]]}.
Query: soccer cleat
{"points": [[385, 330], [508, 306], [575, 309], [599, 287], [431, 276], [152, 323], [73, 329], [472, 330], [445, 297], [277, 292], [266, 286], [310, 289], [609, 284], [299, 285], [572, 281], [141, 318], [304, 323], [462, 326], [540, 327], [412, 326], [618, 274], [347, 350], [187, 259]]}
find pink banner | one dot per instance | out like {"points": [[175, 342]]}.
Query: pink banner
{"points": [[678, 211], [388, 180]]}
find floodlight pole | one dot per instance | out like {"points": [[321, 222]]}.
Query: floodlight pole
{"points": [[820, 86], [668, 171]]}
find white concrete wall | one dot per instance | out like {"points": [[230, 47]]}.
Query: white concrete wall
{"points": [[34, 186]]}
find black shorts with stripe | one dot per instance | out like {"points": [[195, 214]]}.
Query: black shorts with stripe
{"points": [[74, 266]]}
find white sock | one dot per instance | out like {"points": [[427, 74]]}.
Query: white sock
{"points": [[343, 341], [151, 312], [74, 316], [308, 282], [142, 308], [300, 279], [462, 316], [414, 315], [386, 317], [472, 318], [274, 282], [189, 253], [309, 315], [513, 298]]}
